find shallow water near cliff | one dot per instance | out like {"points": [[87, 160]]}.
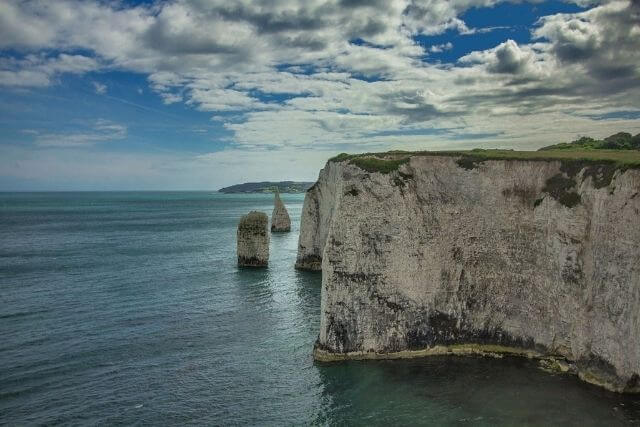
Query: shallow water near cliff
{"points": [[123, 308]]}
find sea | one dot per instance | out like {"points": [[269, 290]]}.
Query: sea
{"points": [[127, 308]]}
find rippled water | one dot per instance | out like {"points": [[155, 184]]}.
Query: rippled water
{"points": [[123, 308]]}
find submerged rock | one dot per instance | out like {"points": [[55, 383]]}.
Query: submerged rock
{"points": [[253, 240], [280, 220]]}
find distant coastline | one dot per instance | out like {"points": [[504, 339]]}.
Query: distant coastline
{"points": [[268, 187]]}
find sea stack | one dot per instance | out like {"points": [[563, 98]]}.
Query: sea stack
{"points": [[253, 240], [280, 221]]}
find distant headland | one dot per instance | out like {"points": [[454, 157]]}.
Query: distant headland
{"points": [[268, 187]]}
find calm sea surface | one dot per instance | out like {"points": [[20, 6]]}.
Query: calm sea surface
{"points": [[128, 308]]}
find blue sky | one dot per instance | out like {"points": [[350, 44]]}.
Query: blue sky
{"points": [[199, 95]]}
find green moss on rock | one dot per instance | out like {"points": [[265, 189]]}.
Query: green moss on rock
{"points": [[561, 188], [469, 162], [375, 164]]}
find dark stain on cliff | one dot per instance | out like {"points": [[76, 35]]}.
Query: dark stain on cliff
{"points": [[352, 192], [355, 278], [526, 194], [340, 332], [562, 185], [457, 254], [386, 301], [402, 179], [443, 329], [309, 263], [469, 162], [250, 262], [572, 270], [601, 175], [561, 188], [595, 365], [374, 242], [633, 383]]}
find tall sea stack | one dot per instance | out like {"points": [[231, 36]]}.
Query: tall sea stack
{"points": [[280, 221], [253, 240]]}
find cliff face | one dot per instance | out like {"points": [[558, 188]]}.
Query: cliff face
{"points": [[447, 255], [317, 214]]}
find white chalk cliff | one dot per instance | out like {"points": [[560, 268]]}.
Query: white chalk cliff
{"points": [[458, 255]]}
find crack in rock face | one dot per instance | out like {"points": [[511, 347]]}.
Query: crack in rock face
{"points": [[444, 255]]}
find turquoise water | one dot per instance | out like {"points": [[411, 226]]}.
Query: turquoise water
{"points": [[128, 308]]}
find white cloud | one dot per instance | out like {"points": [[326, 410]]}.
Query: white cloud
{"points": [[100, 88], [441, 47], [100, 131], [506, 58], [39, 69], [349, 72]]}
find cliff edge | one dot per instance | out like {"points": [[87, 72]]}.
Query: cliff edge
{"points": [[436, 254]]}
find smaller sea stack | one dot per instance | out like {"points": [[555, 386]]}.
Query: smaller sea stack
{"points": [[280, 221], [253, 240]]}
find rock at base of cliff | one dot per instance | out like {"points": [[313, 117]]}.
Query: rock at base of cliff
{"points": [[280, 221], [309, 263], [253, 240]]}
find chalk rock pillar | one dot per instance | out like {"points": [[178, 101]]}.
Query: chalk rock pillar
{"points": [[253, 240], [280, 220]]}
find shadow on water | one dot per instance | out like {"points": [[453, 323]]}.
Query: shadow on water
{"points": [[308, 287], [454, 390], [254, 286]]}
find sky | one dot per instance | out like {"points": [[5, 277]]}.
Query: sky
{"points": [[197, 95]]}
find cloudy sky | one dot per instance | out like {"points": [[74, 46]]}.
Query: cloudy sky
{"points": [[205, 93]]}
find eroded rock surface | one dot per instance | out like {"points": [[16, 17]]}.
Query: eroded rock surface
{"points": [[447, 255], [253, 240], [280, 221], [317, 213]]}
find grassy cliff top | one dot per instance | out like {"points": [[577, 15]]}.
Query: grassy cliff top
{"points": [[390, 161]]}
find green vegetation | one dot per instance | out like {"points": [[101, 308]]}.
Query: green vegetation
{"points": [[374, 162], [342, 157], [561, 188], [618, 141], [600, 164], [469, 162], [268, 187], [579, 158], [596, 159]]}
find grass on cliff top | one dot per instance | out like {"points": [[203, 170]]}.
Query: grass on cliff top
{"points": [[390, 161]]}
